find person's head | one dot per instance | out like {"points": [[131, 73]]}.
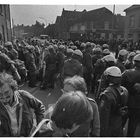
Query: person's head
{"points": [[70, 111], [69, 53], [113, 75], [131, 56], [105, 46], [106, 52], [31, 48], [51, 49], [109, 60], [7, 87], [8, 45], [75, 83], [88, 47], [97, 51], [122, 56], [137, 61], [61, 48], [77, 54]]}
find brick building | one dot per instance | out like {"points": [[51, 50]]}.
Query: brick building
{"points": [[98, 23], [132, 23], [5, 23]]}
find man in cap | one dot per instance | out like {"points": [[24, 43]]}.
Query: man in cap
{"points": [[131, 80]]}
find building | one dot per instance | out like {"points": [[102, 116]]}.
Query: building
{"points": [[132, 23], [89, 25], [5, 23]]}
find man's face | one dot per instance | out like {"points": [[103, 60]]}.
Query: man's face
{"points": [[6, 94]]}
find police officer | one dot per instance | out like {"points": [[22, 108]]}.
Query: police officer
{"points": [[12, 53], [112, 104], [129, 62], [31, 66], [131, 80], [122, 56], [88, 67], [73, 66], [100, 67], [50, 61], [7, 65]]}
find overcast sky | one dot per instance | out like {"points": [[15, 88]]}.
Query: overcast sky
{"points": [[28, 14]]}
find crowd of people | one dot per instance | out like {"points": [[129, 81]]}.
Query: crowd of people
{"points": [[80, 69]]}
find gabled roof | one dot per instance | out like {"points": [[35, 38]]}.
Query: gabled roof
{"points": [[71, 14], [97, 13], [58, 19], [132, 8]]}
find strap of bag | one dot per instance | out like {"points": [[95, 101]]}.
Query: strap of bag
{"points": [[38, 127]]}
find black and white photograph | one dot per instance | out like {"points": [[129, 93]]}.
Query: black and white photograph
{"points": [[69, 70]]}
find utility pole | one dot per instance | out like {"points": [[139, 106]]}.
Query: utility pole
{"points": [[113, 18]]}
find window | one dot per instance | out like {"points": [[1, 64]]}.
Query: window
{"points": [[132, 21], [0, 9]]}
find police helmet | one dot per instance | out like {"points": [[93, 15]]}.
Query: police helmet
{"points": [[113, 71], [137, 58], [70, 51], [78, 52], [97, 50], [8, 44], [123, 52], [106, 52], [83, 45], [109, 58], [105, 46], [131, 54], [73, 47], [137, 51], [88, 45]]}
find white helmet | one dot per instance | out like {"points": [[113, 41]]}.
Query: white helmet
{"points": [[123, 52], [83, 45], [78, 52], [113, 71], [137, 58], [109, 58], [138, 52]]}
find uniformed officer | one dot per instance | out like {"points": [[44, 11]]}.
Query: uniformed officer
{"points": [[122, 56], [113, 104], [131, 80]]}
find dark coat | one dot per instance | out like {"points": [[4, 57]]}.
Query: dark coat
{"points": [[28, 103]]}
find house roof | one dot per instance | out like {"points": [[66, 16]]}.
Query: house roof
{"points": [[97, 13], [58, 19], [132, 8], [71, 14]]}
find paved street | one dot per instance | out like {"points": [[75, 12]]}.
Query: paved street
{"points": [[50, 96], [46, 96]]}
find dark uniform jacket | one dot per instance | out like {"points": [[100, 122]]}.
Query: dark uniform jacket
{"points": [[30, 62], [26, 102], [129, 79], [72, 67], [110, 118]]}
